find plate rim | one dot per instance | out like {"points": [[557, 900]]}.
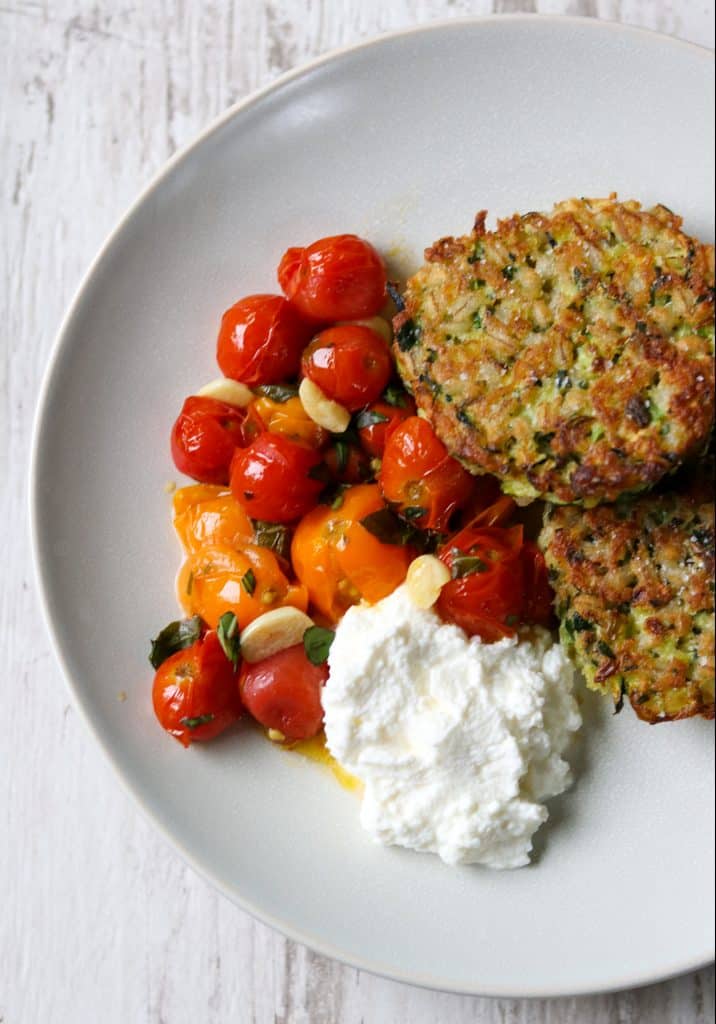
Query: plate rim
{"points": [[42, 582]]}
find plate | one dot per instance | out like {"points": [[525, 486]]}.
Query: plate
{"points": [[401, 140]]}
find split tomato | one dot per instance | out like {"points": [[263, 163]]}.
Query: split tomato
{"points": [[337, 278]]}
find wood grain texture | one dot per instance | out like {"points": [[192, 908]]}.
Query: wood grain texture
{"points": [[100, 920]]}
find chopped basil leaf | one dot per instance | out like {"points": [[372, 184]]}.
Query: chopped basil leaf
{"points": [[413, 512], [194, 723], [395, 395], [369, 417], [466, 565], [174, 637], [317, 643], [274, 536], [228, 633], [277, 392], [248, 581], [389, 528], [341, 450]]}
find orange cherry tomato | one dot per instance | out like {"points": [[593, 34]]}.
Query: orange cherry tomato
{"points": [[337, 278], [218, 578], [284, 692], [485, 597], [377, 422], [290, 419], [276, 479], [349, 363], [206, 515], [339, 561], [419, 476], [204, 438], [261, 340], [195, 695]]}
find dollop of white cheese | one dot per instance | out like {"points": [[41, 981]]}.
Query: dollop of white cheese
{"points": [[457, 742]]}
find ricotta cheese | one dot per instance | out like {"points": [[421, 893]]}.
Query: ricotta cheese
{"points": [[456, 742]]}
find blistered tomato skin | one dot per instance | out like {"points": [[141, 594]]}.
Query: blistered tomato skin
{"points": [[204, 438], [283, 692], [420, 477], [195, 695], [337, 278], [276, 479], [381, 419], [261, 340], [350, 364], [339, 561]]}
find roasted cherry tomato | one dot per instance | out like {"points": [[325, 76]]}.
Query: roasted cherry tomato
{"points": [[290, 419], [261, 340], [219, 578], [340, 561], [537, 606], [419, 476], [205, 437], [273, 480], [205, 515], [195, 695], [350, 364], [379, 420], [485, 596], [337, 278], [284, 692]]}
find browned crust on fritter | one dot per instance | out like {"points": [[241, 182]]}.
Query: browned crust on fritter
{"points": [[634, 586], [569, 354]]}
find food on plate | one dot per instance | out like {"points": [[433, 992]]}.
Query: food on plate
{"points": [[334, 279], [350, 558], [635, 595], [195, 692], [457, 742], [571, 353]]}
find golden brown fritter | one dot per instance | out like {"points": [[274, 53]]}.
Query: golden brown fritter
{"points": [[634, 586], [570, 353]]}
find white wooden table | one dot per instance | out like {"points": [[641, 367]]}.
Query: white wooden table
{"points": [[99, 919]]}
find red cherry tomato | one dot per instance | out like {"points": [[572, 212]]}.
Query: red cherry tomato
{"points": [[537, 607], [205, 437], [486, 594], [194, 694], [379, 421], [419, 476], [273, 480], [261, 340], [284, 692], [337, 278], [350, 364]]}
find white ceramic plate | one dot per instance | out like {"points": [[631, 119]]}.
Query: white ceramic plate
{"points": [[402, 141]]}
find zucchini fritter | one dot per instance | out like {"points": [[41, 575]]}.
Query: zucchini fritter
{"points": [[570, 353], [634, 586]]}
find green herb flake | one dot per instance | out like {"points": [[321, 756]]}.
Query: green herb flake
{"points": [[579, 624], [413, 512], [408, 336], [317, 643], [477, 319], [466, 565], [277, 392], [248, 582], [174, 637], [395, 396], [605, 649], [274, 536], [369, 418], [229, 637], [194, 723], [509, 272]]}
